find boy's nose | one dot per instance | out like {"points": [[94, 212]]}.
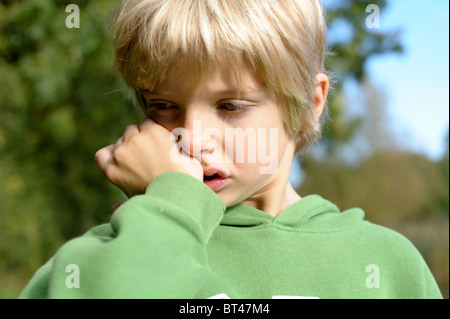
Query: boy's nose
{"points": [[199, 135]]}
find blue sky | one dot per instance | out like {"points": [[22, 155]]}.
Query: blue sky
{"points": [[417, 82]]}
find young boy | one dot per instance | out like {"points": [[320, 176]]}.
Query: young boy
{"points": [[231, 90]]}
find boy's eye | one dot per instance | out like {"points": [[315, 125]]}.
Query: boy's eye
{"points": [[232, 107], [161, 106]]}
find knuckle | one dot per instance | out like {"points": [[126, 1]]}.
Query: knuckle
{"points": [[131, 128], [118, 153], [134, 140], [146, 121]]}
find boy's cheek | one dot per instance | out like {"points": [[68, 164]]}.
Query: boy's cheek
{"points": [[262, 153]]}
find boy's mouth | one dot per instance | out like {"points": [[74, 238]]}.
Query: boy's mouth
{"points": [[214, 180], [210, 178]]}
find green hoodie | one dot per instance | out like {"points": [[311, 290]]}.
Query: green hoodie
{"points": [[179, 241]]}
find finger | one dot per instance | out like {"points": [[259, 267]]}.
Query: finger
{"points": [[130, 131], [146, 124], [188, 158], [104, 156], [119, 142]]}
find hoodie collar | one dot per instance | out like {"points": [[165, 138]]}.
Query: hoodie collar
{"points": [[299, 213]]}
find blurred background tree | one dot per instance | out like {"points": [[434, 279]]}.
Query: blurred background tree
{"points": [[61, 100]]}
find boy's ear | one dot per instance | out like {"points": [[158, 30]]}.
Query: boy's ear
{"points": [[320, 93]]}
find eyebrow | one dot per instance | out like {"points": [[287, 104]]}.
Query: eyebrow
{"points": [[221, 92], [152, 92]]}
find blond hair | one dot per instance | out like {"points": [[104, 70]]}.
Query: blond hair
{"points": [[283, 41]]}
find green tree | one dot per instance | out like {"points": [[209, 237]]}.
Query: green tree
{"points": [[351, 45], [60, 101]]}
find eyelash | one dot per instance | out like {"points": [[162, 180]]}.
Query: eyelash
{"points": [[154, 106], [234, 110], [236, 107]]}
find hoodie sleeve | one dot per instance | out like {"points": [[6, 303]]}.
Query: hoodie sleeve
{"points": [[154, 247]]}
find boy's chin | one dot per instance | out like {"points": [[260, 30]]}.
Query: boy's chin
{"points": [[228, 200]]}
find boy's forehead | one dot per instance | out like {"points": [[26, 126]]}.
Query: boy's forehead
{"points": [[221, 81]]}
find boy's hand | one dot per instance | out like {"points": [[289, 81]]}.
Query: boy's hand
{"points": [[142, 153]]}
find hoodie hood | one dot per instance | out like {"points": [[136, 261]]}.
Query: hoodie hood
{"points": [[311, 213]]}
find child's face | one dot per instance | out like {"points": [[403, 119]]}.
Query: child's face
{"points": [[240, 139]]}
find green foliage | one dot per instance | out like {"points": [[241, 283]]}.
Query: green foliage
{"points": [[60, 102], [391, 186], [351, 45]]}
